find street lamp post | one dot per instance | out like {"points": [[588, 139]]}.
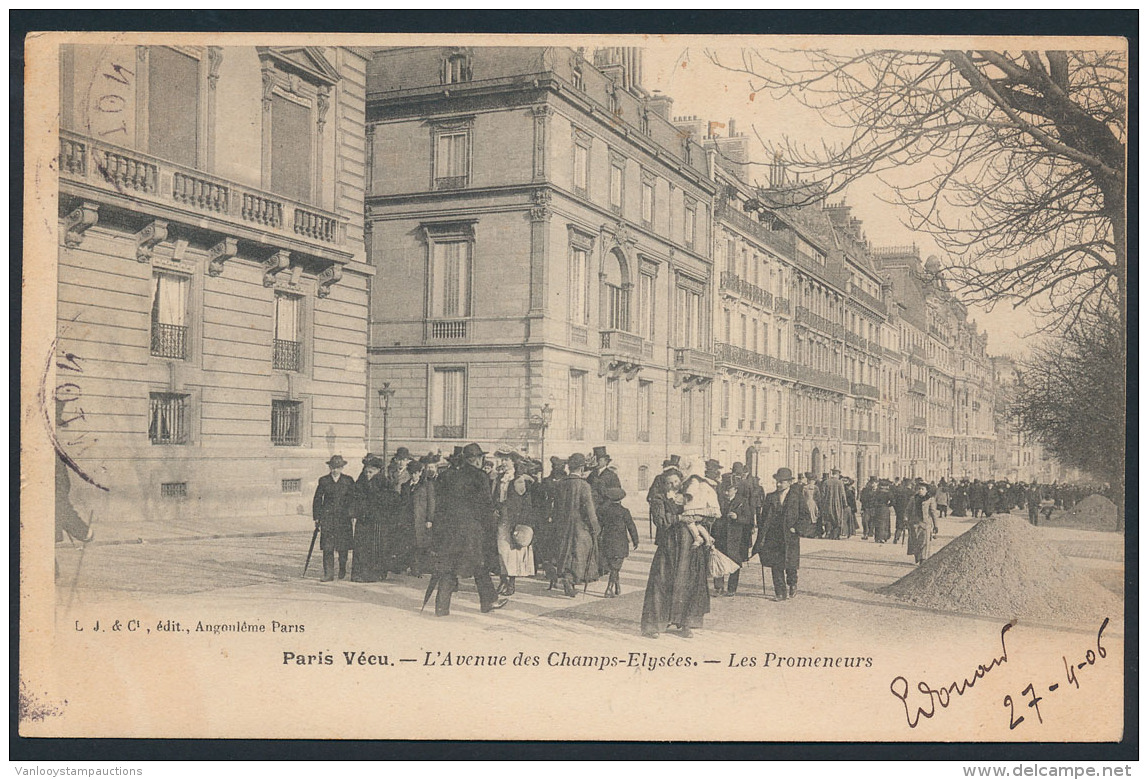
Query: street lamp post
{"points": [[385, 393], [545, 415]]}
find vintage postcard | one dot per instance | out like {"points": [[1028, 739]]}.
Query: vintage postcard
{"points": [[573, 388]]}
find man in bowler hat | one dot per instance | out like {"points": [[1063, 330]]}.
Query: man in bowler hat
{"points": [[778, 544], [332, 509], [465, 520]]}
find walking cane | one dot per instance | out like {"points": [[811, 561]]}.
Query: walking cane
{"points": [[764, 592], [311, 549]]}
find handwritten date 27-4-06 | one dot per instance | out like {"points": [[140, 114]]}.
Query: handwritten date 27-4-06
{"points": [[1033, 701]]}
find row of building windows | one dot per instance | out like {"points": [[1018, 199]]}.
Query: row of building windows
{"points": [[169, 420], [169, 323]]}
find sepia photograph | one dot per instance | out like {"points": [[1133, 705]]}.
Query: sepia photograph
{"points": [[558, 387]]}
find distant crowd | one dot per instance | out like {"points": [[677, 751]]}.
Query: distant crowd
{"points": [[475, 514]]}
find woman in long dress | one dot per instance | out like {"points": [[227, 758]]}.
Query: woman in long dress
{"points": [[366, 562], [882, 509], [677, 591], [514, 508]]}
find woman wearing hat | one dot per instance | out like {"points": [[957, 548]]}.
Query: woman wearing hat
{"points": [[332, 509], [367, 562], [921, 523], [882, 511], [677, 590], [576, 528], [513, 506], [616, 523]]}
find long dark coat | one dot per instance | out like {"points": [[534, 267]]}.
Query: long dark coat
{"points": [[600, 482], [677, 590], [618, 530], [465, 522], [656, 498], [332, 508], [778, 544], [733, 532], [577, 529], [419, 506], [368, 565]]}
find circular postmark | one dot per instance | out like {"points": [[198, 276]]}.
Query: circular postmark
{"points": [[63, 411]]}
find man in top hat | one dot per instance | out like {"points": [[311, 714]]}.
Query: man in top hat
{"points": [[465, 520], [779, 543], [602, 476], [333, 508]]}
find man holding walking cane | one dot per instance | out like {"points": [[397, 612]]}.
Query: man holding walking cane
{"points": [[784, 518], [332, 509]]}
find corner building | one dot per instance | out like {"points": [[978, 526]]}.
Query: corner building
{"points": [[212, 289], [542, 233]]}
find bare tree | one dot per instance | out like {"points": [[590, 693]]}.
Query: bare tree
{"points": [[1014, 161], [1071, 396]]}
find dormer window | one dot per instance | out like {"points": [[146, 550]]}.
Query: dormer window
{"points": [[456, 68]]}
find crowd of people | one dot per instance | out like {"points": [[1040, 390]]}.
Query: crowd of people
{"points": [[478, 515], [475, 514]]}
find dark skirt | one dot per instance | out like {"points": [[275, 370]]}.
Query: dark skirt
{"points": [[880, 527], [677, 591], [367, 563]]}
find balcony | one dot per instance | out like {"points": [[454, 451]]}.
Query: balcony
{"points": [[286, 355], [918, 422], [781, 306], [804, 316], [875, 349], [744, 358], [92, 168], [872, 303], [918, 386], [917, 351], [865, 391], [692, 366], [169, 341], [853, 340], [447, 330], [751, 292], [823, 379], [623, 353]]}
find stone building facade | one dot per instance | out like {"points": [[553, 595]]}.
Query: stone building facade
{"points": [[544, 231], [213, 284]]}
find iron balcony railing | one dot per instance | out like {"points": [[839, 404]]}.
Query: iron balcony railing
{"points": [[751, 292], [286, 355], [169, 341]]}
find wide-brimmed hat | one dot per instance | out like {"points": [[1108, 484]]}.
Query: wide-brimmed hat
{"points": [[402, 453], [430, 458], [783, 474], [472, 450], [576, 462], [368, 456], [614, 493], [557, 461], [600, 452], [415, 466], [713, 465], [336, 462], [739, 469], [674, 461], [373, 461]]}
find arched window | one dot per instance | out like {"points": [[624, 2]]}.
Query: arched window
{"points": [[616, 290]]}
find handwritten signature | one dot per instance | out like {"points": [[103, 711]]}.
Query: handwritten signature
{"points": [[945, 695]]}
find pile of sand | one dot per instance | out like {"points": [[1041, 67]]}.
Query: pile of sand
{"points": [[1004, 567], [1095, 513]]}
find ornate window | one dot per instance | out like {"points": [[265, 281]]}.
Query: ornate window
{"points": [[297, 87], [169, 315], [452, 152], [456, 66], [616, 290]]}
